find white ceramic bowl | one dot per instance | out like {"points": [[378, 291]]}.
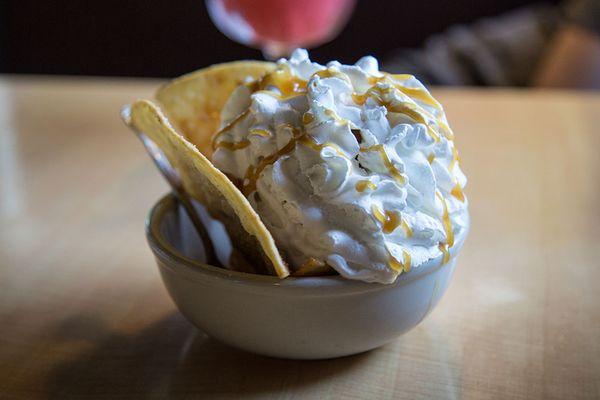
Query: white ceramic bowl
{"points": [[300, 318]]}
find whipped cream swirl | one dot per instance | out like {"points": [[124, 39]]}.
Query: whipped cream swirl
{"points": [[347, 166]]}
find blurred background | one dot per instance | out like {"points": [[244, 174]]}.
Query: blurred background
{"points": [[463, 42]]}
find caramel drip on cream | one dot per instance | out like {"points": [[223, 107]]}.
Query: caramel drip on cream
{"points": [[331, 73], [333, 115], [444, 249], [458, 193], [420, 94], [307, 118], [400, 266], [360, 99], [455, 159], [407, 260], [285, 81], [312, 266], [308, 141], [228, 127], [415, 112], [409, 108], [407, 229], [397, 77], [253, 173], [363, 185], [389, 220], [232, 146], [393, 171], [312, 263], [446, 221], [260, 132]]}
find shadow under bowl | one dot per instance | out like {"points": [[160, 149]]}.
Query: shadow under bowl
{"points": [[296, 318]]}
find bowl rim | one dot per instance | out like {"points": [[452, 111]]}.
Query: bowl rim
{"points": [[176, 262]]}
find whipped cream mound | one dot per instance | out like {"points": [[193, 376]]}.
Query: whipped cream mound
{"points": [[347, 166]]}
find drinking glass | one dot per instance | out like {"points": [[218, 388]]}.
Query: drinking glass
{"points": [[279, 26]]}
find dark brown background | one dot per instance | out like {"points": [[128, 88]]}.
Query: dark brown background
{"points": [[166, 38]]}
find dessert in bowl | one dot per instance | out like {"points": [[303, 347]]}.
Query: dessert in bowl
{"points": [[340, 181]]}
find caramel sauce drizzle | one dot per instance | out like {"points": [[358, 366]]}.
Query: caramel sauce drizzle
{"points": [[458, 193], [283, 79], [360, 99], [414, 111], [400, 266], [253, 173], [232, 146], [308, 141], [420, 94], [389, 220], [430, 158], [444, 249], [286, 125], [253, 86], [446, 221], [398, 77], [374, 80], [455, 159], [307, 118], [228, 127], [407, 260], [396, 265], [331, 73], [312, 266], [376, 93], [312, 262], [407, 229], [365, 184], [417, 93], [335, 116], [260, 132], [393, 171]]}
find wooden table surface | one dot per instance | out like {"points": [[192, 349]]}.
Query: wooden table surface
{"points": [[83, 313]]}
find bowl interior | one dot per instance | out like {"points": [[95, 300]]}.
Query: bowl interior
{"points": [[171, 227]]}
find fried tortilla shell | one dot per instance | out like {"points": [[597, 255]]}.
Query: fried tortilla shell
{"points": [[200, 178], [193, 102]]}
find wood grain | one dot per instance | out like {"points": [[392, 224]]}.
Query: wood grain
{"points": [[84, 315]]}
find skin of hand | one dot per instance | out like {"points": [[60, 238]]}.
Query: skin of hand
{"points": [[573, 60]]}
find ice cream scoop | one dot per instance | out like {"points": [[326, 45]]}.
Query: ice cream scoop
{"points": [[348, 167]]}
